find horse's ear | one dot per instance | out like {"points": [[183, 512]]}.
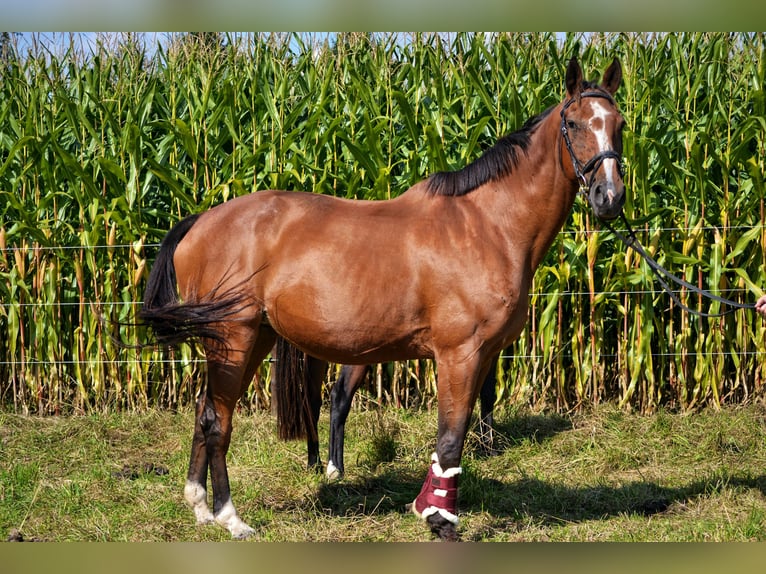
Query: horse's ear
{"points": [[574, 79], [612, 77]]}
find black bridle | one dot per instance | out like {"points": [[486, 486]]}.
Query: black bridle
{"points": [[594, 163], [631, 241]]}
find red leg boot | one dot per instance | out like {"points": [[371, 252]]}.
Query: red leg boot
{"points": [[439, 493]]}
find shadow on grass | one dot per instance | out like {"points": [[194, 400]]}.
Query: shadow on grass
{"points": [[520, 500], [510, 431], [545, 503]]}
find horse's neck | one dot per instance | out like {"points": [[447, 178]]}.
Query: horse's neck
{"points": [[534, 200]]}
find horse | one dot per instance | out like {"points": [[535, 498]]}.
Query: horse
{"points": [[297, 390], [464, 248]]}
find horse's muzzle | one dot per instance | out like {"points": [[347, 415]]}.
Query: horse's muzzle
{"points": [[607, 199]]}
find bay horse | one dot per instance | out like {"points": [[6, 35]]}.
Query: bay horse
{"points": [[463, 247], [296, 383]]}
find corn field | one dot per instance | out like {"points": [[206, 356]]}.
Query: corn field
{"points": [[103, 149]]}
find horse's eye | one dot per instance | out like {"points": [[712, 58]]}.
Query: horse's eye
{"points": [[571, 125]]}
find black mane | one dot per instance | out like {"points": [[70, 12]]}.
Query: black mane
{"points": [[497, 162]]}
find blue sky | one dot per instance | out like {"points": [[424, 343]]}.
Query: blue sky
{"points": [[325, 15]]}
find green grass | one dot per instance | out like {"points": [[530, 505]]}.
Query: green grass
{"points": [[602, 475]]}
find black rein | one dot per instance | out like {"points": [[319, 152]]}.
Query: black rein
{"points": [[661, 273]]}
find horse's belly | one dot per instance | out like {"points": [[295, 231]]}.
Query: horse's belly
{"points": [[343, 326], [350, 343]]}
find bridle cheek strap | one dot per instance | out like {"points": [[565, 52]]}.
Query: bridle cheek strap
{"points": [[593, 164]]}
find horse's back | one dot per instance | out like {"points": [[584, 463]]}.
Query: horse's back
{"points": [[313, 261]]}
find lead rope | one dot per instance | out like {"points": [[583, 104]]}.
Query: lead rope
{"points": [[659, 271]]}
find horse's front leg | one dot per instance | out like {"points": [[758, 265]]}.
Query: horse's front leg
{"points": [[487, 398], [351, 377], [457, 388]]}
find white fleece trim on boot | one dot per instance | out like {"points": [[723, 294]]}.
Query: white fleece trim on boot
{"points": [[446, 514], [441, 473]]}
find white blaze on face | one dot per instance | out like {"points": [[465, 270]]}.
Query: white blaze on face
{"points": [[597, 124]]}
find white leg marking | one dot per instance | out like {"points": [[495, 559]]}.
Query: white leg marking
{"points": [[228, 518], [196, 497], [332, 472]]}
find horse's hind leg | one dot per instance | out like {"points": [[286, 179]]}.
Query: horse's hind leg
{"points": [[315, 376], [224, 383], [227, 380], [351, 377], [195, 491]]}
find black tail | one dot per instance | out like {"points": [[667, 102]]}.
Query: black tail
{"points": [[173, 322], [290, 381]]}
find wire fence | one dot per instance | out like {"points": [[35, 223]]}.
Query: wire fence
{"points": [[574, 294]]}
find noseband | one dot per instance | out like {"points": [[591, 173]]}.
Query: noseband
{"points": [[594, 163]]}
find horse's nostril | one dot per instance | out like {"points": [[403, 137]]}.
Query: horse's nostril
{"points": [[598, 194]]}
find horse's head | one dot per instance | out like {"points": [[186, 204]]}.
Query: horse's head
{"points": [[591, 127]]}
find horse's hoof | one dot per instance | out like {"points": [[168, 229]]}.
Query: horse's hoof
{"points": [[243, 532], [449, 534], [444, 529], [195, 496]]}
